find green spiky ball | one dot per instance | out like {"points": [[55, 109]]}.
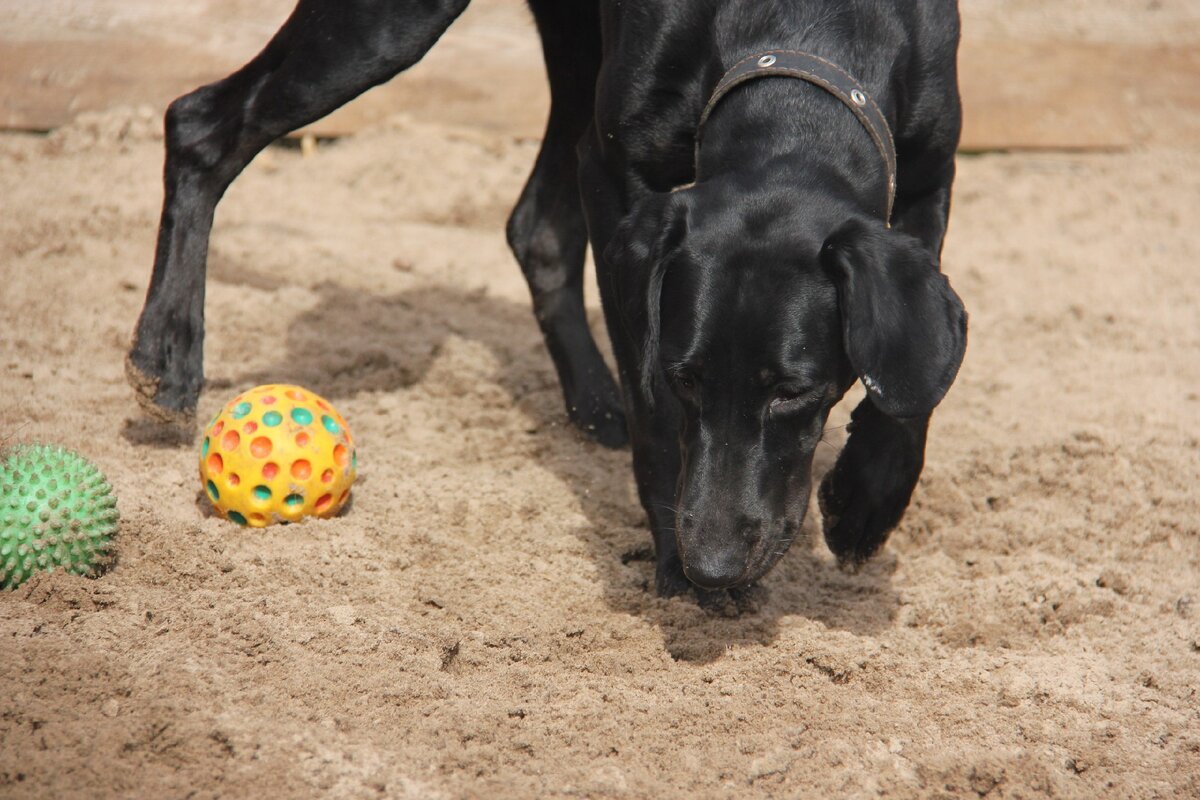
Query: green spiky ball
{"points": [[56, 510]]}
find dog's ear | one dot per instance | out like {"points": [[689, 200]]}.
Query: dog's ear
{"points": [[904, 328], [637, 257]]}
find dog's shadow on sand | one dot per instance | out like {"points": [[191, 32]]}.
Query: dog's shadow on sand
{"points": [[351, 342]]}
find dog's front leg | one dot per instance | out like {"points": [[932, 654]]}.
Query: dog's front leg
{"points": [[865, 494], [547, 230], [324, 55], [653, 429]]}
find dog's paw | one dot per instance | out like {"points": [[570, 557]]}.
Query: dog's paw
{"points": [[856, 522], [865, 494], [166, 375]]}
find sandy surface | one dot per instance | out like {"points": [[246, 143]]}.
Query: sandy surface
{"points": [[478, 622]]}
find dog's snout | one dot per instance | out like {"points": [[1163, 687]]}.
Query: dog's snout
{"points": [[717, 555], [715, 571]]}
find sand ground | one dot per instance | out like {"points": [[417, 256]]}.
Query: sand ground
{"points": [[478, 623]]}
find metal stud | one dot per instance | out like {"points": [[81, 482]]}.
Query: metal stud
{"points": [[766, 61], [858, 97]]}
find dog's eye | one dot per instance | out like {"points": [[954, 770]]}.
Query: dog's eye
{"points": [[684, 381], [792, 398]]}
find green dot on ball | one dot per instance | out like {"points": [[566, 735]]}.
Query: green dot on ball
{"points": [[272, 418], [236, 517], [293, 500], [212, 491], [302, 416], [262, 492], [331, 424], [241, 410]]}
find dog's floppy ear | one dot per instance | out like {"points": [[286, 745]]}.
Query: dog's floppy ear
{"points": [[904, 328], [637, 256]]}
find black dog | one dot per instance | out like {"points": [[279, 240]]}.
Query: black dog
{"points": [[748, 278]]}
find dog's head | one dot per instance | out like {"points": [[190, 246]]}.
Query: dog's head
{"points": [[754, 312]]}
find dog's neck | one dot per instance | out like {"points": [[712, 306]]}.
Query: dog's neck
{"points": [[786, 131]]}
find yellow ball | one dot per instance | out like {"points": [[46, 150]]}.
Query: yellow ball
{"points": [[277, 453]]}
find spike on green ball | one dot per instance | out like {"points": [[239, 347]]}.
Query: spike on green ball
{"points": [[71, 517]]}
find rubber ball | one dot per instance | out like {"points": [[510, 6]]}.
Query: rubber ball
{"points": [[56, 510], [277, 453]]}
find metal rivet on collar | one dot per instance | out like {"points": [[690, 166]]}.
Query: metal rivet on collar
{"points": [[766, 61], [858, 97]]}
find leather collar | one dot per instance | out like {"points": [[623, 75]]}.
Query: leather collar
{"points": [[831, 78]]}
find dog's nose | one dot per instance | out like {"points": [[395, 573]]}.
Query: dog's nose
{"points": [[715, 571], [715, 556]]}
